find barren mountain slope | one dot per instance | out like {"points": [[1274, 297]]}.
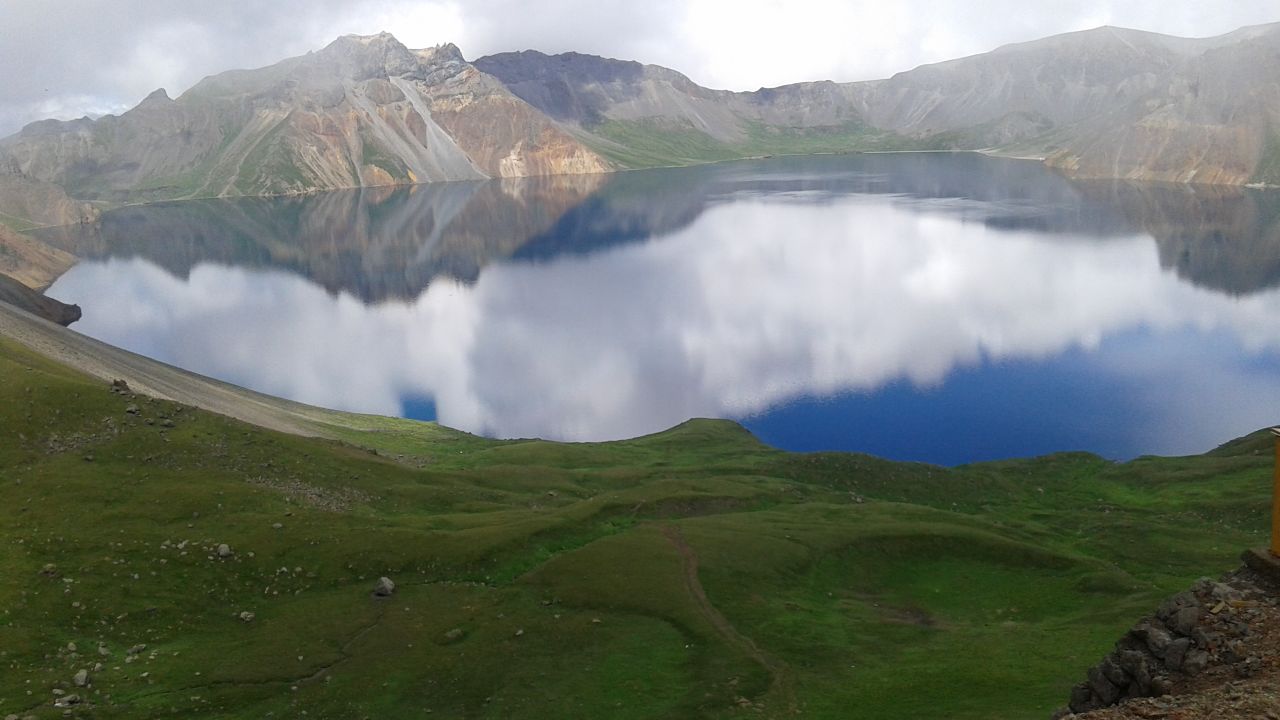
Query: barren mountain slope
{"points": [[363, 111]]}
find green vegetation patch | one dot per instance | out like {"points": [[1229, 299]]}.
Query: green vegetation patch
{"points": [[663, 143], [691, 573]]}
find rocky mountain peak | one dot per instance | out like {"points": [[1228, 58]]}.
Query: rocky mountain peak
{"points": [[361, 57], [441, 54], [159, 96]]}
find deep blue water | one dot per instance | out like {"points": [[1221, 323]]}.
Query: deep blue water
{"points": [[942, 308]]}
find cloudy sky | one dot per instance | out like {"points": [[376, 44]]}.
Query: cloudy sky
{"points": [[66, 58]]}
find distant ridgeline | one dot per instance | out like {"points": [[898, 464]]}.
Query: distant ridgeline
{"points": [[368, 111]]}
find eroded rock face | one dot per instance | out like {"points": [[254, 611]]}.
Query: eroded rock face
{"points": [[31, 262], [24, 298], [364, 111]]}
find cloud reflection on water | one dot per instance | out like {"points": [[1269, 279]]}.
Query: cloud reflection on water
{"points": [[759, 301]]}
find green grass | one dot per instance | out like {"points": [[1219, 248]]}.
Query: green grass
{"points": [[652, 143], [832, 581]]}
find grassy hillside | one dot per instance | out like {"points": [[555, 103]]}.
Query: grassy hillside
{"points": [[653, 143], [694, 573]]}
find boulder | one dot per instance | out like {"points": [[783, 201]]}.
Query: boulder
{"points": [[384, 587]]}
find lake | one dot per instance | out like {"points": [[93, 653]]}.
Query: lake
{"points": [[932, 307]]}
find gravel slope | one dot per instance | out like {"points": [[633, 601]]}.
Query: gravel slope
{"points": [[159, 380]]}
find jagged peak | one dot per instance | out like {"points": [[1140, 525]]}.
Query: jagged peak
{"points": [[159, 95], [382, 37], [439, 54]]}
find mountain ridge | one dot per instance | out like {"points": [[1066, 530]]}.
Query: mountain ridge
{"points": [[369, 111]]}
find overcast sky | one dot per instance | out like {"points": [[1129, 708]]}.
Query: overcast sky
{"points": [[66, 58]]}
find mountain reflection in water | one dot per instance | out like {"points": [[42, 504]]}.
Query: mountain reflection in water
{"points": [[946, 308]]}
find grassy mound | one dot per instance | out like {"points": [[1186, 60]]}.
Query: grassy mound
{"points": [[693, 573]]}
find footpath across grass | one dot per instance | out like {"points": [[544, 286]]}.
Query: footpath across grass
{"points": [[694, 573]]}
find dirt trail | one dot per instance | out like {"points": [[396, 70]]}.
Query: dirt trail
{"points": [[150, 377], [783, 680]]}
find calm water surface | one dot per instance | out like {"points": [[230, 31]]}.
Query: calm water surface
{"points": [[944, 308]]}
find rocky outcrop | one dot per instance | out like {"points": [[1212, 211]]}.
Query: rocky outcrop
{"points": [[364, 111], [28, 203], [30, 261], [24, 298], [1213, 630]]}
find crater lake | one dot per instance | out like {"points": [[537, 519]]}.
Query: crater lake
{"points": [[945, 308]]}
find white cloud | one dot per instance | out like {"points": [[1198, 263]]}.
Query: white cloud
{"points": [[120, 50], [755, 304]]}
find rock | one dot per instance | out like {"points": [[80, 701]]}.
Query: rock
{"points": [[119, 386], [81, 678], [1155, 637], [224, 551], [1195, 662], [1106, 690], [15, 293], [454, 635], [12, 717], [1223, 592], [247, 616], [71, 647], [1185, 621], [1133, 662], [166, 423], [1176, 653], [277, 526], [49, 570], [1171, 606], [384, 587], [136, 649], [67, 701], [132, 409], [1114, 672], [1082, 699]]}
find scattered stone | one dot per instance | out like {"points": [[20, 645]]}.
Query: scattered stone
{"points": [[454, 635], [520, 632], [49, 570], [166, 423], [67, 701], [71, 647], [384, 587], [224, 551], [132, 409], [277, 526], [136, 649], [81, 678]]}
